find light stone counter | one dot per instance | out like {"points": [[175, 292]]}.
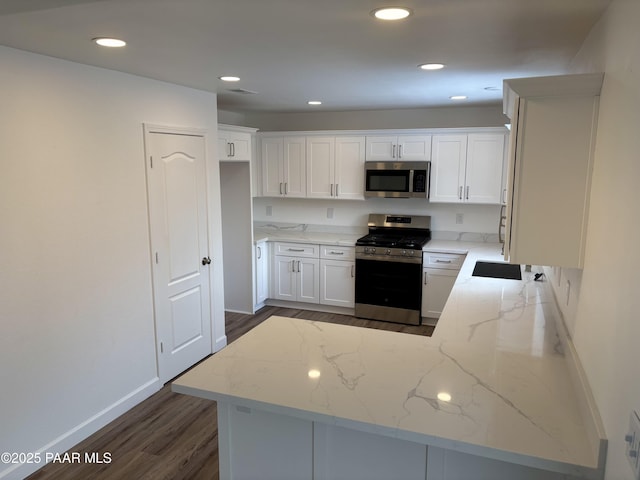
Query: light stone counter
{"points": [[496, 351], [314, 237]]}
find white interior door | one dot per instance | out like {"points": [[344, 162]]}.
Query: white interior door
{"points": [[176, 177]]}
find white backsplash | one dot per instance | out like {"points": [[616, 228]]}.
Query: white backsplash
{"points": [[479, 222]]}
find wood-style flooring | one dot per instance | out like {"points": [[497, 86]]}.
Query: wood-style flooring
{"points": [[171, 436]]}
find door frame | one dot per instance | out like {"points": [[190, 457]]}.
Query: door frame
{"points": [[149, 128]]}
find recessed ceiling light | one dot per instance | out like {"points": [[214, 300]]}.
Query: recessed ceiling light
{"points": [[444, 396], [110, 42], [458, 97], [229, 78], [314, 102], [391, 13], [492, 89], [431, 66]]}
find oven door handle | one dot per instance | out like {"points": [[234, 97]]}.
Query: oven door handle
{"points": [[426, 277]]}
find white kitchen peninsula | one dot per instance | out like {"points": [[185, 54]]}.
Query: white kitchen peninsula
{"points": [[490, 395]]}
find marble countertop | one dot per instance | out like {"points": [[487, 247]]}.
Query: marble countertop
{"points": [[324, 238], [495, 351]]}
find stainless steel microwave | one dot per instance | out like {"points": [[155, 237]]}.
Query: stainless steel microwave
{"points": [[397, 179]]}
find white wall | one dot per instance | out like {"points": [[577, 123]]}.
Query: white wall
{"points": [[607, 325], [445, 117], [77, 332]]}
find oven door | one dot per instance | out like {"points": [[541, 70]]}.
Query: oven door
{"points": [[388, 290]]}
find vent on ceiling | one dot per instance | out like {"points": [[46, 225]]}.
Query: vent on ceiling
{"points": [[242, 91]]}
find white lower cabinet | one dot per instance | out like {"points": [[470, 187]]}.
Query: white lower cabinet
{"points": [[296, 272], [254, 444], [439, 274], [262, 274], [337, 276]]}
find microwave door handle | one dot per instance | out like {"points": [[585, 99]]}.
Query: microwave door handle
{"points": [[410, 190], [399, 151]]}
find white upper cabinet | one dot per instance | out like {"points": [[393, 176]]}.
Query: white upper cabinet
{"points": [[335, 167], [283, 166], [234, 143], [386, 148], [447, 168], [467, 168], [484, 168], [550, 163]]}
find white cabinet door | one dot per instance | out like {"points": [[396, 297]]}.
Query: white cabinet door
{"points": [[283, 282], [550, 168], [294, 167], [342, 453], [414, 147], [308, 288], [386, 148], [320, 167], [349, 169], [436, 287], [283, 166], [262, 445], [381, 148], [272, 166], [483, 178], [234, 145], [448, 168], [262, 273], [337, 283]]}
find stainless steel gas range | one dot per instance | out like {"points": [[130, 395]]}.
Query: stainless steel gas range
{"points": [[389, 268]]}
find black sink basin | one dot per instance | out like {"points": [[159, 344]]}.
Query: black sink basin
{"points": [[498, 270]]}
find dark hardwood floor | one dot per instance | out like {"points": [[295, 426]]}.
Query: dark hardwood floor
{"points": [[171, 436]]}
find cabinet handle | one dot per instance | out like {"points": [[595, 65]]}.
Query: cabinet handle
{"points": [[293, 266], [393, 153], [295, 249], [504, 195], [280, 188], [298, 266], [443, 261], [332, 189], [426, 275], [336, 253], [259, 253], [233, 149], [353, 273], [460, 193], [336, 189], [286, 187], [467, 192], [399, 151]]}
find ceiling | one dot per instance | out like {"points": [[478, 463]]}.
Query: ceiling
{"points": [[292, 51]]}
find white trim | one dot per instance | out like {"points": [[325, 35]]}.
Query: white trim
{"points": [[85, 429]]}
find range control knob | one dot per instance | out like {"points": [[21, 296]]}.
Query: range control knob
{"points": [[388, 252], [404, 252]]}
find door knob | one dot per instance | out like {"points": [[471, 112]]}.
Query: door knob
{"points": [[206, 261]]}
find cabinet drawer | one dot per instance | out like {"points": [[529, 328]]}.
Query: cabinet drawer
{"points": [[450, 261], [337, 253], [297, 249]]}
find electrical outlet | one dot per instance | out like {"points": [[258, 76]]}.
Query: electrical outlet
{"points": [[330, 212], [633, 444], [269, 210], [459, 218]]}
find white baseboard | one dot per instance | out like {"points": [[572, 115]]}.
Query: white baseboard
{"points": [[72, 437]]}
